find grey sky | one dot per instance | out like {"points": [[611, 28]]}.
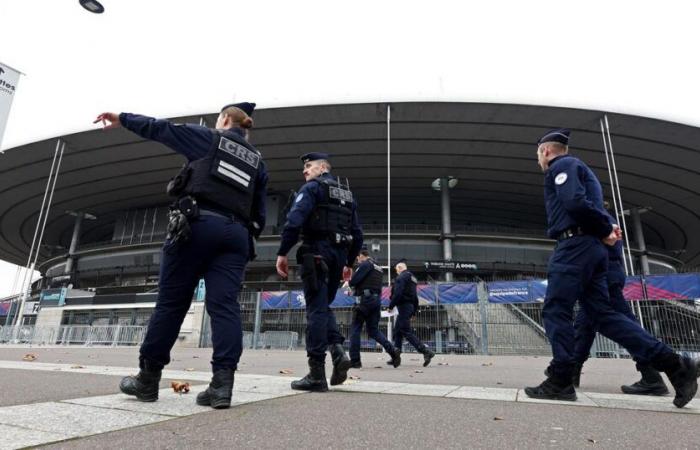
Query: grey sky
{"points": [[179, 57]]}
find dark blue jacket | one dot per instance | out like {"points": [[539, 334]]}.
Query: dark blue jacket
{"points": [[305, 202], [574, 198], [194, 142], [362, 274], [404, 290]]}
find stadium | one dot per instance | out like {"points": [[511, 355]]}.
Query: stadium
{"points": [[99, 252]]}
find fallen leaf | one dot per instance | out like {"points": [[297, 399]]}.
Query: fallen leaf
{"points": [[443, 364], [76, 366], [498, 382], [180, 387], [378, 367], [415, 359], [189, 369], [29, 357], [487, 364], [353, 377], [195, 357], [592, 441], [286, 371], [498, 418], [418, 371]]}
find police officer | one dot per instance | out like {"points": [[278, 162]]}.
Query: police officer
{"points": [[325, 214], [367, 284], [577, 270], [219, 206], [404, 296], [651, 382]]}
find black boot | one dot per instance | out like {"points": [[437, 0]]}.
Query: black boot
{"points": [[144, 385], [218, 394], [315, 380], [551, 389], [427, 356], [683, 372], [395, 358], [356, 364], [576, 375], [341, 364], [651, 383]]}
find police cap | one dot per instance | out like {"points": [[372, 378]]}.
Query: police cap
{"points": [[560, 135], [245, 107], [314, 156]]}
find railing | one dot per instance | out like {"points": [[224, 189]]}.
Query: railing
{"points": [[112, 335], [470, 328]]}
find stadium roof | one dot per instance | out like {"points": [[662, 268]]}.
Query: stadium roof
{"points": [[490, 148]]}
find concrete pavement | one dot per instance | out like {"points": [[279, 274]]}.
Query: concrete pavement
{"points": [[459, 401]]}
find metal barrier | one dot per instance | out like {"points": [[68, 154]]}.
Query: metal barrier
{"points": [[473, 328], [113, 335]]}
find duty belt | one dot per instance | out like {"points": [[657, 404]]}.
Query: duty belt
{"points": [[208, 212], [569, 233]]}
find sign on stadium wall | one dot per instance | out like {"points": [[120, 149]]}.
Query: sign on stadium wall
{"points": [[9, 78]]}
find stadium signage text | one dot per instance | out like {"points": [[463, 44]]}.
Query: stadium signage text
{"points": [[449, 265]]}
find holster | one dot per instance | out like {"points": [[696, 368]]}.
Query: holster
{"points": [[178, 226], [312, 267]]}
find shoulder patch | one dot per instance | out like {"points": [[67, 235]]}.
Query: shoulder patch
{"points": [[560, 178], [299, 197]]}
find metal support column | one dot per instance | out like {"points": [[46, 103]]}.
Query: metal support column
{"points": [[446, 223], [79, 216], [639, 238], [258, 320]]}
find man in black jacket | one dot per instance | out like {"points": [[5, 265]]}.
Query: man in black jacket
{"points": [[405, 297], [367, 284]]}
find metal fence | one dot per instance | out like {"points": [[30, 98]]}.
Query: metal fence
{"points": [[473, 328], [108, 335]]}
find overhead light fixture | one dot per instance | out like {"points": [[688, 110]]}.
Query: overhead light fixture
{"points": [[437, 183], [93, 6]]}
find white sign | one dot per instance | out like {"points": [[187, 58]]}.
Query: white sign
{"points": [[30, 308], [9, 78]]}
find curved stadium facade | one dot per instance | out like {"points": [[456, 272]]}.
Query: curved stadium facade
{"points": [[110, 199]]}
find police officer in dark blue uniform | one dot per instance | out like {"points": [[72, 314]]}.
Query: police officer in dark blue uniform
{"points": [[578, 271], [325, 214], [367, 284], [651, 382], [404, 296], [219, 207]]}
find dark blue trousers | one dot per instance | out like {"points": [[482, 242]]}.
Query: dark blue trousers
{"points": [[217, 251], [369, 312], [578, 271], [321, 327], [404, 330], [586, 328]]}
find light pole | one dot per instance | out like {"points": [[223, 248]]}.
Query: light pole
{"points": [[444, 185]]}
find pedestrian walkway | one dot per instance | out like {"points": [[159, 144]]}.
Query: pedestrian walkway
{"points": [[46, 422]]}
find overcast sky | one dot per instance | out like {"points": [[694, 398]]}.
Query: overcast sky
{"points": [[179, 57]]}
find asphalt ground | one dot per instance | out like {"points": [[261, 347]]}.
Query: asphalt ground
{"points": [[351, 420], [599, 375], [343, 419]]}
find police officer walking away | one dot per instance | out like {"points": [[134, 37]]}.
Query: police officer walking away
{"points": [[577, 271], [585, 330], [404, 296], [325, 214], [219, 207], [367, 284]]}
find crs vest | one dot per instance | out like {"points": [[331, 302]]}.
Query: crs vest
{"points": [[225, 178], [410, 293], [373, 280], [332, 216]]}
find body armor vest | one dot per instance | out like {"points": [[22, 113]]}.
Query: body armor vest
{"points": [[225, 178], [373, 280], [331, 218]]}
